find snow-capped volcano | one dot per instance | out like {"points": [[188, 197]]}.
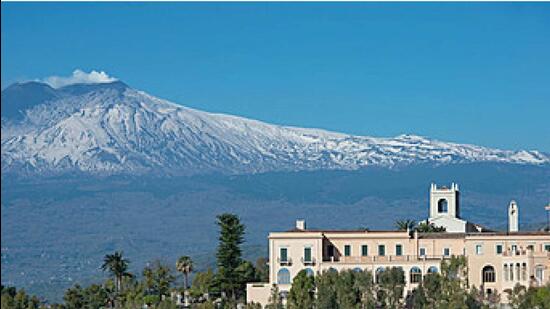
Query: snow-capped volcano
{"points": [[112, 128]]}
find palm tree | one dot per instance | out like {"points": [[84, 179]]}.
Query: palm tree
{"points": [[117, 265], [429, 228], [185, 266], [404, 225]]}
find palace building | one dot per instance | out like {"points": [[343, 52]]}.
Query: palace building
{"points": [[496, 261]]}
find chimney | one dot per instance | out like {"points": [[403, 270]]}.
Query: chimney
{"points": [[513, 217], [301, 224]]}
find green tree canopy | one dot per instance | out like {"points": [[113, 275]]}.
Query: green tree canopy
{"points": [[158, 279], [74, 297], [203, 283], [185, 266], [326, 292], [117, 266], [302, 292], [262, 269], [275, 301], [429, 228], [403, 225], [391, 287], [229, 253]]}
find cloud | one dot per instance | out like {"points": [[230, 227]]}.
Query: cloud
{"points": [[79, 77]]}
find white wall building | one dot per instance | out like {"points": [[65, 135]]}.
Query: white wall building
{"points": [[496, 260]]}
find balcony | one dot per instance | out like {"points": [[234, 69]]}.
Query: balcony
{"points": [[285, 262], [517, 253], [310, 262], [384, 258], [522, 254]]}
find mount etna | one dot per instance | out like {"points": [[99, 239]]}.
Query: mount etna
{"points": [[111, 128]]}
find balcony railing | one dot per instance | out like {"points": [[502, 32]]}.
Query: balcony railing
{"points": [[309, 262], [383, 258], [517, 252], [525, 253], [286, 262]]}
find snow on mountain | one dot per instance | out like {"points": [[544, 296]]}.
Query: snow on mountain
{"points": [[112, 128]]}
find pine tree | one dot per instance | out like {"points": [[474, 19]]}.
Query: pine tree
{"points": [[229, 253]]}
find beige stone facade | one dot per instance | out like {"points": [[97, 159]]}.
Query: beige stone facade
{"points": [[496, 260]]}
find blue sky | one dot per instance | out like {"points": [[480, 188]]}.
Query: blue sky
{"points": [[465, 72]]}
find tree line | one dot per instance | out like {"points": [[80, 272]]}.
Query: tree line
{"points": [[155, 286], [352, 289]]}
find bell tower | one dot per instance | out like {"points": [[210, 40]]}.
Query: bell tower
{"points": [[513, 217], [444, 202]]}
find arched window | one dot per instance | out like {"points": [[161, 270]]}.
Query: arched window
{"points": [[511, 271], [332, 270], [488, 274], [432, 270], [518, 272], [506, 274], [357, 269], [524, 271], [379, 270], [415, 275], [442, 206], [283, 276], [309, 272]]}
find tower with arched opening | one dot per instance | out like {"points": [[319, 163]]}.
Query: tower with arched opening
{"points": [[444, 202]]}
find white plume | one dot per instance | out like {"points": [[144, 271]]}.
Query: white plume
{"points": [[79, 77]]}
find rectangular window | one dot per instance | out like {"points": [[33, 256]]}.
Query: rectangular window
{"points": [[307, 254], [422, 251], [283, 255], [499, 249], [364, 250], [506, 278], [398, 250], [446, 251], [347, 250], [479, 249], [381, 250], [547, 247]]}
